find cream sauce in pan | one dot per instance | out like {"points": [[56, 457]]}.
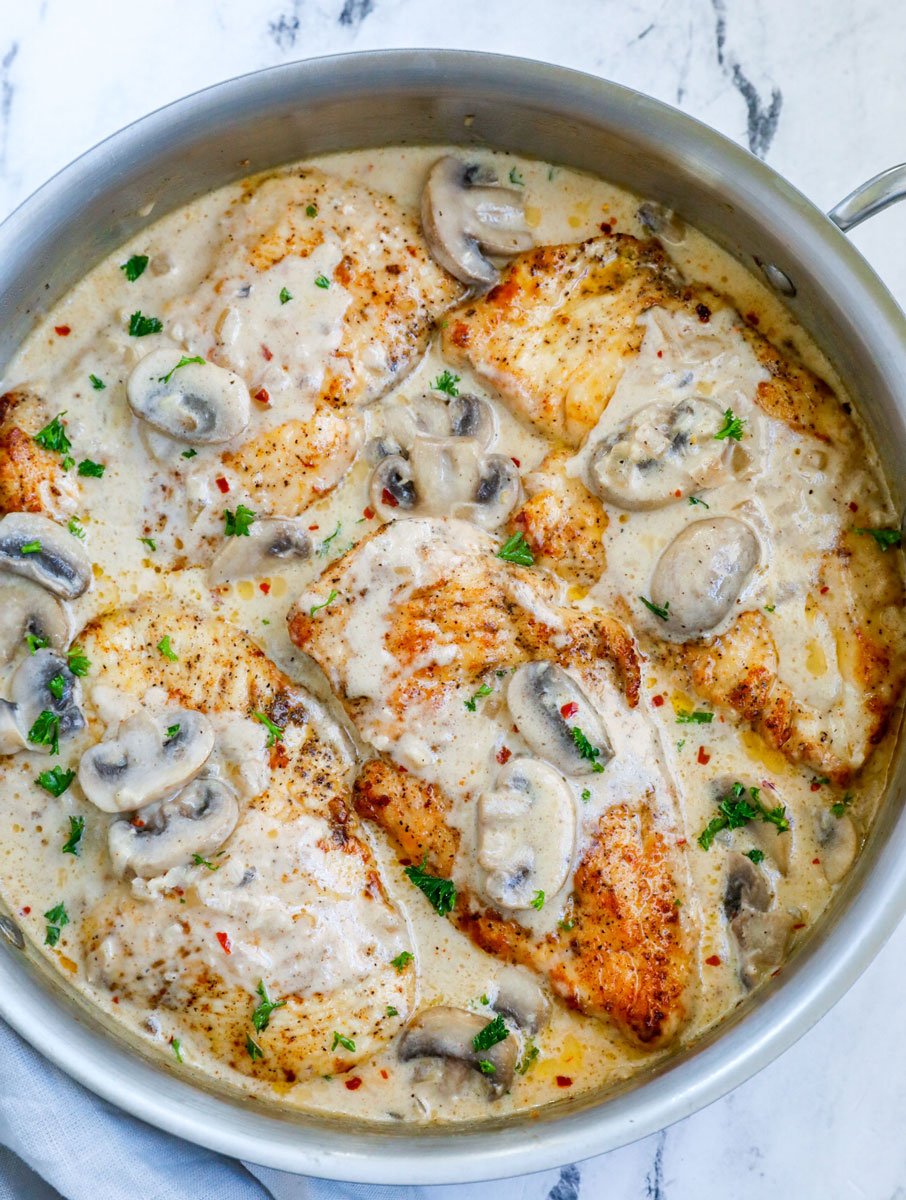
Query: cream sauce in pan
{"points": [[156, 512]]}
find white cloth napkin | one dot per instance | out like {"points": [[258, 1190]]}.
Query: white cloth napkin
{"points": [[63, 1141]]}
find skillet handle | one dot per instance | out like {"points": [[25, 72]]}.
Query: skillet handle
{"points": [[870, 198]]}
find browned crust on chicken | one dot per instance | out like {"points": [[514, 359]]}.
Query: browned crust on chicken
{"points": [[29, 475]]}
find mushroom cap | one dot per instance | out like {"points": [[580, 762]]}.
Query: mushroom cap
{"points": [[12, 738], [526, 833], [447, 1032], [521, 998], [198, 820], [439, 415], [41, 550], [143, 762], [30, 693], [662, 454], [199, 403], [701, 574], [662, 222], [271, 543], [537, 696], [28, 608], [838, 842], [464, 213], [761, 931]]}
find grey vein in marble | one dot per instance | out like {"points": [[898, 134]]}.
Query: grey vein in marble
{"points": [[354, 12], [762, 122], [654, 1181], [567, 1186], [7, 91]]}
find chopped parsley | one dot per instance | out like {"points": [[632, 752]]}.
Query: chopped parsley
{"points": [[67, 462], [134, 267], [91, 470], [274, 732], [516, 178], [75, 528], [486, 1067], [53, 436], [537, 901], [529, 1057], [495, 1031], [311, 210], [185, 361], [586, 795], [35, 643], [322, 282], [731, 428], [586, 749], [141, 326], [736, 810], [566, 924], [769, 608], [839, 807], [253, 1050], [56, 781], [78, 663], [662, 613], [756, 856], [76, 827], [239, 523], [56, 686], [173, 730], [164, 648], [694, 718], [325, 545], [401, 961], [340, 1039], [149, 542], [46, 731], [285, 296], [199, 861], [262, 1014], [190, 453], [97, 384], [698, 500], [484, 690], [176, 1045], [680, 743], [56, 918], [884, 537], [517, 550], [30, 548], [391, 1011], [440, 893], [324, 603], [447, 382]]}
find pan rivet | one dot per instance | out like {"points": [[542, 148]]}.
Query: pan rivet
{"points": [[12, 933], [779, 280]]}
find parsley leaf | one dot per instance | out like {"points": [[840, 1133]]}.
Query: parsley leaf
{"points": [[340, 1039], [486, 1067], [190, 453], [484, 690], [252, 1048], [274, 732], [516, 178], [91, 469], [401, 961], [56, 781], [529, 1057], [447, 382], [97, 384], [262, 1014], [586, 749], [53, 436], [441, 893], [30, 548], [176, 1044], [884, 537], [199, 861], [239, 523], [185, 361], [697, 500], [35, 643], [391, 1011], [322, 282], [172, 731], [56, 917], [78, 663], [285, 296], [694, 718], [736, 810], [46, 731], [839, 807], [311, 210], [756, 856], [517, 550], [325, 545], [663, 613], [75, 528], [141, 326], [495, 1031], [164, 648], [76, 826], [149, 542], [134, 267], [586, 795], [330, 599], [56, 686], [731, 428], [537, 901]]}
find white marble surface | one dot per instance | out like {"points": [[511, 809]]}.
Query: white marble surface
{"points": [[817, 87]]}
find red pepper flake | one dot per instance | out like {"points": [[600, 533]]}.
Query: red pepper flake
{"points": [[816, 862], [314, 527], [853, 507], [116, 999], [713, 960], [799, 925], [752, 318], [660, 353], [569, 709], [27, 909], [703, 756], [516, 461], [263, 396], [368, 513], [138, 822], [389, 498], [265, 587], [504, 754], [225, 942], [222, 484], [824, 590], [815, 785], [681, 842], [657, 700], [267, 353], [62, 330], [385, 1074], [704, 313], [564, 1081], [606, 227], [353, 1083]]}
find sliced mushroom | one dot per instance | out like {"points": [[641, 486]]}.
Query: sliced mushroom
{"points": [[199, 403], [30, 693], [12, 739], [467, 215], [446, 477], [760, 931], [522, 1000], [272, 543], [27, 608], [771, 841], [546, 705], [662, 222], [151, 756], [442, 416], [526, 833], [196, 821], [448, 1033], [39, 549], [700, 575], [839, 844], [663, 453]]}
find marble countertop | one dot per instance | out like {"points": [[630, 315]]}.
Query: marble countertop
{"points": [[816, 87]]}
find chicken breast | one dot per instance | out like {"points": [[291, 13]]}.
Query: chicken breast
{"points": [[290, 908], [421, 630], [31, 478]]}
